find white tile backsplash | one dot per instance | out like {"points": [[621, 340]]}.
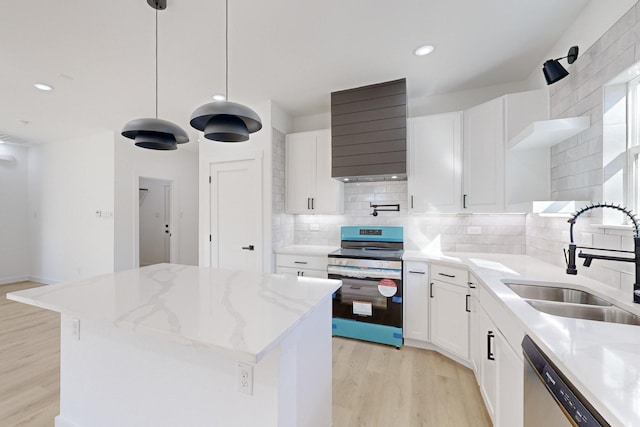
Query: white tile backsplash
{"points": [[492, 233]]}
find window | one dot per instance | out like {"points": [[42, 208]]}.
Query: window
{"points": [[632, 177]]}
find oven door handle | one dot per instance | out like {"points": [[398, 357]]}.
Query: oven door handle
{"points": [[363, 274]]}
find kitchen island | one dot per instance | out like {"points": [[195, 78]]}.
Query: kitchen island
{"points": [[169, 345]]}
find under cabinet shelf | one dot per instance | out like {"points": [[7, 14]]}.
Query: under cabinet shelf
{"points": [[546, 133]]}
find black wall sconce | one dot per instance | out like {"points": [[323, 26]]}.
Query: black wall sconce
{"points": [[554, 71]]}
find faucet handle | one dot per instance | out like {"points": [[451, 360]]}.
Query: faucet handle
{"points": [[570, 259]]}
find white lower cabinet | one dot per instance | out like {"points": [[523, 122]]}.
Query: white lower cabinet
{"points": [[416, 301], [449, 310], [488, 378], [444, 306], [499, 370], [510, 385], [302, 265]]}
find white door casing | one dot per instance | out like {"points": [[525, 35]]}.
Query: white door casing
{"points": [[236, 214]]}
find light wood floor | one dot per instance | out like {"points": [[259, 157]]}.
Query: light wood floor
{"points": [[29, 362], [373, 385]]}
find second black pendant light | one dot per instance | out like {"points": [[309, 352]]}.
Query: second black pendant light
{"points": [[226, 121], [154, 133]]}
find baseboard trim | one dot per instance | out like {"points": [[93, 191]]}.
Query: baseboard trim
{"points": [[61, 421], [14, 279], [428, 346], [43, 280]]}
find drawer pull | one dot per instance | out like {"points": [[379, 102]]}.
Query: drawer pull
{"points": [[416, 272], [467, 304], [431, 290], [490, 354], [299, 262], [447, 275]]}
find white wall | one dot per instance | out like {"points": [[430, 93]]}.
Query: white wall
{"points": [[14, 243], [594, 20], [212, 151], [69, 181], [179, 166]]}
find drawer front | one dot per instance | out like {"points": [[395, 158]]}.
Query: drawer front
{"points": [[301, 272], [308, 262], [451, 275], [416, 267]]}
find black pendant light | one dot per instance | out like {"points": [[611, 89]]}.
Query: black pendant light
{"points": [[155, 134], [554, 71], [223, 120]]}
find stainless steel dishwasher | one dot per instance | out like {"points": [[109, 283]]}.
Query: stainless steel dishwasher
{"points": [[550, 400]]}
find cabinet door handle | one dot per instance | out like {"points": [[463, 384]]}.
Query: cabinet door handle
{"points": [[411, 202], [248, 248], [467, 304], [308, 202], [471, 285], [313, 201], [302, 273], [464, 201], [490, 354], [299, 262], [447, 275], [431, 289], [417, 272]]}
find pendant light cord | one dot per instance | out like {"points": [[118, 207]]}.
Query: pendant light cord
{"points": [[226, 47], [156, 63]]}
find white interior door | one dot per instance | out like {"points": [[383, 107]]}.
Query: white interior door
{"points": [[167, 223], [154, 221], [236, 215]]}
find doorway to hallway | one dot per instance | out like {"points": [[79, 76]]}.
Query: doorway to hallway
{"points": [[154, 221]]}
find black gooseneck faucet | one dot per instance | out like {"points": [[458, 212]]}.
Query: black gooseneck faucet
{"points": [[570, 256]]}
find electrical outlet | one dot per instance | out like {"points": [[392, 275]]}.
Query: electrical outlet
{"points": [[75, 328], [245, 378]]}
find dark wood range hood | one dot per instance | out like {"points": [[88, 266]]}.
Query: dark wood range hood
{"points": [[369, 132]]}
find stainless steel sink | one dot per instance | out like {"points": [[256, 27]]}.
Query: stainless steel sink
{"points": [[609, 313], [558, 294]]}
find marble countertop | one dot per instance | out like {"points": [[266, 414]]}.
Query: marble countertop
{"points": [[316, 250], [243, 313], [601, 359]]}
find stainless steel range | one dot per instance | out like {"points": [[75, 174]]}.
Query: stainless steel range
{"points": [[368, 306]]}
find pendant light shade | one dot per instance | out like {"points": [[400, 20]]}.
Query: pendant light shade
{"points": [[554, 71], [226, 121], [155, 133]]}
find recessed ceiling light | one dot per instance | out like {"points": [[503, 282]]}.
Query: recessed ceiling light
{"points": [[346, 179], [423, 50], [394, 177], [219, 97], [44, 87]]}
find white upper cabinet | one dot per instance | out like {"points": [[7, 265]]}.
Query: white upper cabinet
{"points": [[483, 148], [496, 179], [435, 169], [310, 188]]}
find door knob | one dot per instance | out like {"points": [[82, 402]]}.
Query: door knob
{"points": [[247, 248]]}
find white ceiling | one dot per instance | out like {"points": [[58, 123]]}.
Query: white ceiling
{"points": [[100, 55]]}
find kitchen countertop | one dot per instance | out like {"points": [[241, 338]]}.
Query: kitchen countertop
{"points": [[316, 250], [241, 313], [601, 359]]}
